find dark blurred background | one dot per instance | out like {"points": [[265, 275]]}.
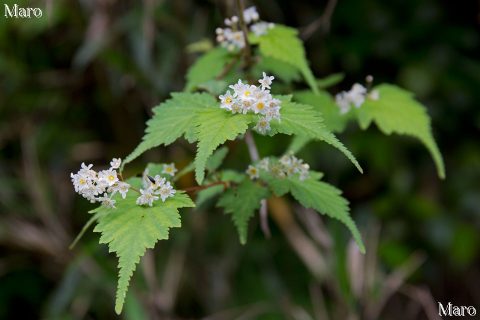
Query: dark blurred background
{"points": [[78, 85]]}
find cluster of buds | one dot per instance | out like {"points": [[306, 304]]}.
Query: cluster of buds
{"points": [[356, 96], [232, 36], [99, 186], [288, 165], [257, 99]]}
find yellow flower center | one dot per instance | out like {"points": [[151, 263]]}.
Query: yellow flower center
{"points": [[260, 106], [111, 178], [247, 93], [82, 181], [228, 100]]}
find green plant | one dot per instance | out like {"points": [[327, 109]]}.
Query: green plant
{"points": [[137, 212]]}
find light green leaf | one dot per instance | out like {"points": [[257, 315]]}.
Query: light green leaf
{"points": [[323, 102], [171, 120], [130, 229], [205, 195], [330, 80], [396, 111], [320, 196], [207, 67], [280, 69], [304, 120], [242, 202], [214, 126], [282, 43]]}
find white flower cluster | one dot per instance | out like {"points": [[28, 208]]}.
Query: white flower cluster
{"points": [[99, 186], [258, 100], [232, 37], [157, 187], [356, 96], [288, 165]]}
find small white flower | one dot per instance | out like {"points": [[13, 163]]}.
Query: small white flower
{"points": [[120, 187], [106, 201], [146, 197], [159, 181], [236, 87], [166, 191], [374, 95], [357, 94], [115, 163], [261, 28], [246, 92], [264, 164], [169, 169], [343, 102], [80, 181], [227, 101], [253, 172], [286, 160], [273, 113], [266, 81], [263, 126], [250, 14], [260, 106], [107, 177]]}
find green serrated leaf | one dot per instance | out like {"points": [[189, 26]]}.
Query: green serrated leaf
{"points": [[130, 229], [171, 120], [242, 202], [326, 199], [330, 80], [214, 126], [207, 67], [304, 120], [323, 102], [232, 175], [282, 70], [320, 196], [205, 195], [282, 43], [396, 111]]}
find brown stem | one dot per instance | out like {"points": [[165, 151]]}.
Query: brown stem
{"points": [[247, 50], [226, 184], [228, 67], [322, 22]]}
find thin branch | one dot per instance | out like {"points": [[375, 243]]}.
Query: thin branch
{"points": [[228, 67], [254, 156], [264, 218], [247, 50], [226, 185], [323, 22], [252, 147], [424, 297]]}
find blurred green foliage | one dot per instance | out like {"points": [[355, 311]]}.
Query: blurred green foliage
{"points": [[78, 84]]}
